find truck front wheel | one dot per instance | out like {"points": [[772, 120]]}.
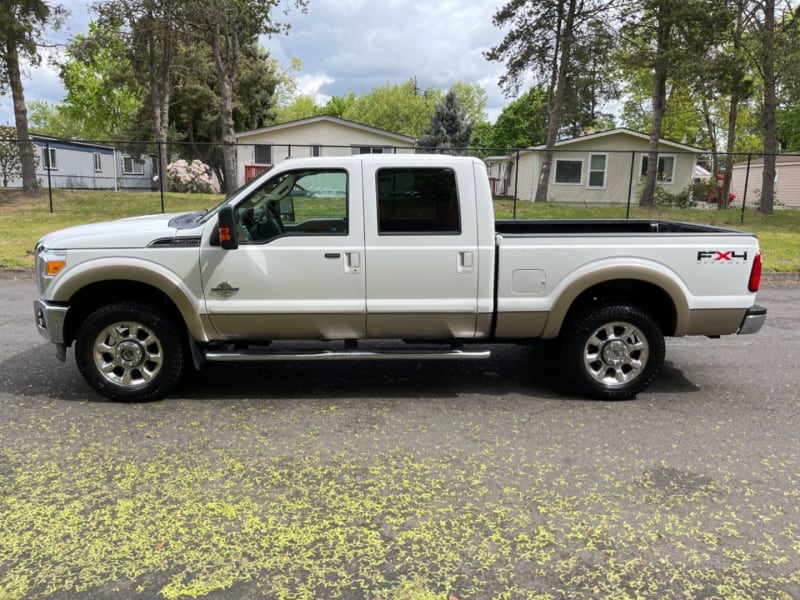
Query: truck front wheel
{"points": [[129, 351], [612, 351]]}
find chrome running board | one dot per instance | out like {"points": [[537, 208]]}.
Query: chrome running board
{"points": [[380, 354]]}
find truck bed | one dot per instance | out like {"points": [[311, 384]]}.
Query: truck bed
{"points": [[601, 226]]}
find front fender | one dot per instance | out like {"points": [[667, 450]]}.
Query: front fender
{"points": [[72, 280]]}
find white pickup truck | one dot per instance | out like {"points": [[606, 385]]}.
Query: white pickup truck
{"points": [[363, 252]]}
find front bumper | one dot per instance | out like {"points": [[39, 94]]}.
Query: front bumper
{"points": [[753, 320], [50, 320]]}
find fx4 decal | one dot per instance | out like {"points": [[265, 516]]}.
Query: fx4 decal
{"points": [[721, 256]]}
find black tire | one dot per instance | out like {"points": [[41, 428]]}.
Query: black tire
{"points": [[130, 351], [612, 351]]}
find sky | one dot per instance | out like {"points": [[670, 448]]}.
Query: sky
{"points": [[351, 46]]}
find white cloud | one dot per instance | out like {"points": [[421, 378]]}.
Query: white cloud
{"points": [[355, 45], [311, 84], [361, 44]]}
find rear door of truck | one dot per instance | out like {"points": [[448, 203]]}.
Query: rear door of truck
{"points": [[421, 245]]}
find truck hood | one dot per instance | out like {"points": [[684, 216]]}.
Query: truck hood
{"points": [[134, 232]]}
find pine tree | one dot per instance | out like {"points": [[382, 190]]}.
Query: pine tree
{"points": [[449, 130]]}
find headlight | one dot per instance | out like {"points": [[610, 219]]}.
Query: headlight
{"points": [[48, 264]]}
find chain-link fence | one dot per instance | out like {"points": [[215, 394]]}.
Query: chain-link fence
{"points": [[588, 173]]}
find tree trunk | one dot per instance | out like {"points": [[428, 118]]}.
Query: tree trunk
{"points": [[768, 111], [659, 105], [556, 101], [160, 95], [733, 116], [226, 72], [26, 152], [712, 138], [227, 132]]}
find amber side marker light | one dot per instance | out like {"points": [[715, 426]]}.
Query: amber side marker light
{"points": [[54, 266], [224, 234]]}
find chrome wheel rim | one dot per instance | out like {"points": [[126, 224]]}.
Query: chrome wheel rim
{"points": [[616, 353], [128, 354]]}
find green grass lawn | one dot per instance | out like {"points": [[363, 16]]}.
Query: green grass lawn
{"points": [[24, 219]]}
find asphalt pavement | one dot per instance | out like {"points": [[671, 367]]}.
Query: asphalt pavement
{"points": [[405, 479]]}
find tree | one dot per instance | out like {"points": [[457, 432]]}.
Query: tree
{"points": [[338, 106], [767, 43], [50, 119], [590, 82], [302, 107], [102, 93], [255, 89], [399, 108], [720, 82], [541, 39], [21, 29], [473, 100], [665, 36], [195, 115], [787, 55], [227, 27], [523, 122], [10, 163], [769, 106], [151, 31], [449, 127]]}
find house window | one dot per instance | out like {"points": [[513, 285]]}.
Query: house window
{"points": [[263, 154], [49, 155], [368, 150], [418, 201], [132, 165], [569, 171], [156, 162], [597, 170], [316, 150], [666, 168]]}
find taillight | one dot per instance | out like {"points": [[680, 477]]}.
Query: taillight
{"points": [[755, 274]]}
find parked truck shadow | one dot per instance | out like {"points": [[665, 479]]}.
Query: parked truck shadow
{"points": [[530, 371]]}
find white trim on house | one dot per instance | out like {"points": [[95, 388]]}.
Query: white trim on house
{"points": [[50, 159], [405, 139], [604, 171], [660, 176], [132, 165], [601, 134], [568, 174]]}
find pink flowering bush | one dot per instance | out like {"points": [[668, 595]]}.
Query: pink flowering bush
{"points": [[194, 177]]}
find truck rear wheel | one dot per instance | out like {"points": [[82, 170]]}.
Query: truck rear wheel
{"points": [[612, 351], [129, 351]]}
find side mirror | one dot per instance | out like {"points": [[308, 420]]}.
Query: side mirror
{"points": [[226, 226]]}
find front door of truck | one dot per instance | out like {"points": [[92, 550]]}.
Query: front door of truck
{"points": [[298, 272], [422, 250]]}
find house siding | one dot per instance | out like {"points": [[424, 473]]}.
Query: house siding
{"points": [[787, 181], [336, 137], [622, 150], [137, 182], [74, 165]]}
